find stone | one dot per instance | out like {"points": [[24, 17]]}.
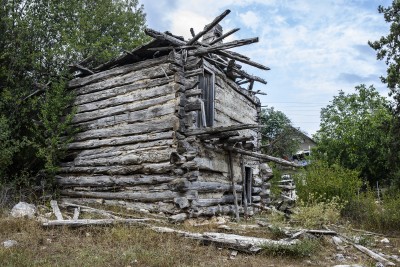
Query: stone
{"points": [[10, 243], [385, 241], [379, 264], [339, 257], [178, 217], [23, 209]]}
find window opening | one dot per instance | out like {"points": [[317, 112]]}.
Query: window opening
{"points": [[206, 83]]}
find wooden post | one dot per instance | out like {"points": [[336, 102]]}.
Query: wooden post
{"points": [[235, 200], [244, 198]]}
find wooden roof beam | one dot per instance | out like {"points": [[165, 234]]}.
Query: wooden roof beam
{"points": [[224, 36], [209, 27]]}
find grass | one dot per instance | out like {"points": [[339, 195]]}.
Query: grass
{"points": [[114, 246]]}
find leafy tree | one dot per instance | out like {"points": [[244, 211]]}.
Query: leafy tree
{"points": [[354, 132], [388, 49], [279, 137], [39, 39]]}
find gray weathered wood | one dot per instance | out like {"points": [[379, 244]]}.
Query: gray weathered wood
{"points": [[262, 156], [128, 107], [116, 180], [224, 36], [134, 96], [209, 27], [116, 72], [374, 255], [87, 222], [212, 130], [150, 168], [126, 140], [217, 47], [135, 196], [56, 210], [164, 124]]}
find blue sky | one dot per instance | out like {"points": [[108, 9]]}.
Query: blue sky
{"points": [[314, 47]]}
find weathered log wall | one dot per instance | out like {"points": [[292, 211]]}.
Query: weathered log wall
{"points": [[131, 148]]}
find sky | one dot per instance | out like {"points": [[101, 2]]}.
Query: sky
{"points": [[314, 47]]}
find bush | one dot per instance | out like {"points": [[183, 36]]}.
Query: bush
{"points": [[365, 211], [316, 212], [323, 183], [301, 249]]}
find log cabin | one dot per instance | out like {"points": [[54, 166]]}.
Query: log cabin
{"points": [[169, 128]]}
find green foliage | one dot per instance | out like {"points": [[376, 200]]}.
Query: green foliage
{"points": [[354, 133], [321, 182], [316, 211], [38, 40], [367, 212], [388, 49], [278, 135], [302, 249]]}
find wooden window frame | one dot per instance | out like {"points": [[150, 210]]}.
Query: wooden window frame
{"points": [[207, 111]]}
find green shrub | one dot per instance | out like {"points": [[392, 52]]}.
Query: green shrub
{"points": [[301, 249], [316, 212], [365, 211], [321, 182]]}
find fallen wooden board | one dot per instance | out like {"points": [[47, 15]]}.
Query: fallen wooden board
{"points": [[86, 222], [56, 210], [241, 243]]}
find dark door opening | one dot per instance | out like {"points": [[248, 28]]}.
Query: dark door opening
{"points": [[247, 180]]}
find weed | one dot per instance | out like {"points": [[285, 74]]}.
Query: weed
{"points": [[301, 249], [316, 213]]}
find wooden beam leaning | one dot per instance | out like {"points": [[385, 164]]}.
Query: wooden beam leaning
{"points": [[241, 59], [232, 178], [224, 36], [209, 27], [213, 130], [214, 48], [262, 156]]}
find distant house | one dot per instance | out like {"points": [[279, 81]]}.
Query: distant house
{"points": [[305, 146]]}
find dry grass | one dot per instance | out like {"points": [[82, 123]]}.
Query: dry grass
{"points": [[137, 246]]}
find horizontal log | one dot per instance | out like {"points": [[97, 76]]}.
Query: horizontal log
{"points": [[117, 141], [184, 185], [158, 71], [150, 168], [128, 107], [213, 130], [131, 97], [87, 222], [132, 117], [120, 90], [133, 158], [142, 146], [193, 105], [116, 180], [134, 196], [116, 72], [207, 202], [164, 124], [263, 157], [139, 207], [222, 135]]}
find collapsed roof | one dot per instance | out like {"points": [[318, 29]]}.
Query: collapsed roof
{"points": [[211, 48]]}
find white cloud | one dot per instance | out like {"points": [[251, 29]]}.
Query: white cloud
{"points": [[251, 20]]}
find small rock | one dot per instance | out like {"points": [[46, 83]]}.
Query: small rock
{"points": [[233, 254], [339, 257], [23, 209], [10, 243], [178, 217], [385, 240], [337, 240], [379, 264]]}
